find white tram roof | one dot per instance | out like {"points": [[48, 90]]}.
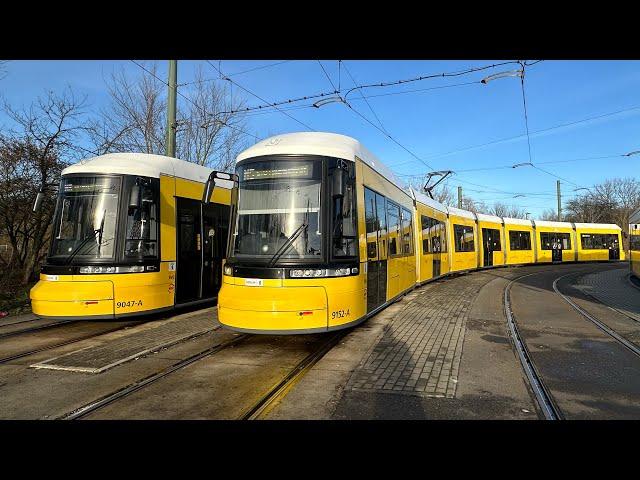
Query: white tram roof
{"points": [[143, 164], [546, 223], [488, 218], [320, 143], [517, 221], [428, 201], [597, 226], [461, 213]]}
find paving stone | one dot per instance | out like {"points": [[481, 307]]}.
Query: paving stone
{"points": [[420, 351]]}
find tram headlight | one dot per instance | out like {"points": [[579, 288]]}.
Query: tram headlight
{"points": [[228, 270], [93, 270], [323, 272]]}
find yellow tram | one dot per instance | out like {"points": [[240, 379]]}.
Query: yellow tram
{"points": [[131, 235], [634, 243], [325, 235]]}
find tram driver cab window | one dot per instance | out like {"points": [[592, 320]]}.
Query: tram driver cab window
{"points": [[342, 191], [141, 233]]}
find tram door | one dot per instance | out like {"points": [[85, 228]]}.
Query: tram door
{"points": [[376, 226], [215, 223], [490, 242], [201, 246], [556, 250], [614, 250]]}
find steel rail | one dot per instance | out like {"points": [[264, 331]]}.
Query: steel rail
{"points": [[629, 345], [279, 390], [543, 396], [62, 344], [34, 329], [131, 388]]}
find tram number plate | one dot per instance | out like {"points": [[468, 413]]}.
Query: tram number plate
{"points": [[253, 282], [340, 314]]}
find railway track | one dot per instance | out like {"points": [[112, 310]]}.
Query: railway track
{"points": [[64, 343], [257, 410], [278, 391], [542, 393], [619, 338], [543, 396], [47, 326], [135, 386]]}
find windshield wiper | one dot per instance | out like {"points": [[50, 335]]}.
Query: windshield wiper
{"points": [[285, 246], [84, 242]]}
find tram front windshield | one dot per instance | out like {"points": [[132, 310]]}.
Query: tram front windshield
{"points": [[85, 220], [279, 210]]}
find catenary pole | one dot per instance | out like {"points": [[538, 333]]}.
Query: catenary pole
{"points": [[559, 201], [171, 109]]}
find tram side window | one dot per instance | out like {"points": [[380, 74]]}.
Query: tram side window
{"points": [[426, 224], [464, 238], [555, 241], [141, 233], [519, 240], [634, 242], [433, 235], [342, 188], [494, 238], [407, 232], [393, 225], [598, 241], [441, 229], [371, 223]]}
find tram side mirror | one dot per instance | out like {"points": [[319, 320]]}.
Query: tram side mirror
{"points": [[208, 188], [134, 197], [337, 183], [38, 203], [227, 180]]}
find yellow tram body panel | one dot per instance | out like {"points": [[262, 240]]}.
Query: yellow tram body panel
{"points": [[432, 244], [498, 255], [61, 296], [596, 254], [290, 305], [519, 243], [462, 260], [544, 247]]}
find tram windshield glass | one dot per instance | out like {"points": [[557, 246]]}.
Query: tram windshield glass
{"points": [[85, 220], [279, 210]]}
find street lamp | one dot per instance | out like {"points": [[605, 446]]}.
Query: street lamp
{"points": [[635, 152], [521, 164]]}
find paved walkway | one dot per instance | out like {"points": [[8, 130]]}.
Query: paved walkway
{"points": [[420, 351], [612, 288]]}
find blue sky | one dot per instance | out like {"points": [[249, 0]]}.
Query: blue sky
{"points": [[430, 123]]}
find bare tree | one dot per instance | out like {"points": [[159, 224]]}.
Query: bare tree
{"points": [[510, 211], [135, 120], [33, 153]]}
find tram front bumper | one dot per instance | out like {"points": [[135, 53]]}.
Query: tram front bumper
{"points": [[76, 299], [273, 310]]}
